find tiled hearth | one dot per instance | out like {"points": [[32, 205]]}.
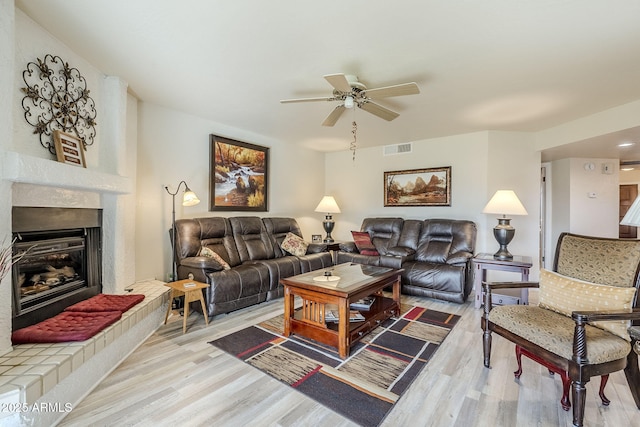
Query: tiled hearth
{"points": [[31, 371]]}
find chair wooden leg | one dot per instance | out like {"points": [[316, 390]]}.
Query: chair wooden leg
{"points": [[603, 384], [519, 359], [566, 384], [486, 346], [579, 395], [633, 376]]}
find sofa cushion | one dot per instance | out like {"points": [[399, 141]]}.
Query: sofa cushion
{"points": [[209, 253], [554, 331], [383, 232], [252, 239], [107, 302], [294, 245], [363, 243], [66, 326], [565, 295]]}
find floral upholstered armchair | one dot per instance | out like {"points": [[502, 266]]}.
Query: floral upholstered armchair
{"points": [[580, 326]]}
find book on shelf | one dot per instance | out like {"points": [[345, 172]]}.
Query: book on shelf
{"points": [[333, 316], [363, 303]]}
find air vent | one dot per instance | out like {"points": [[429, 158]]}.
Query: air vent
{"points": [[391, 150]]}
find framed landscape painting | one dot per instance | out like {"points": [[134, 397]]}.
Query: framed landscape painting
{"points": [[418, 187], [238, 178]]}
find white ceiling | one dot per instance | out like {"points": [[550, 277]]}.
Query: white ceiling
{"points": [[493, 64]]}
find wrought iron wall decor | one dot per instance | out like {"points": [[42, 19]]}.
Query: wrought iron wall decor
{"points": [[57, 98]]}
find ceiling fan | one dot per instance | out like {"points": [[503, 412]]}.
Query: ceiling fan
{"points": [[353, 93]]}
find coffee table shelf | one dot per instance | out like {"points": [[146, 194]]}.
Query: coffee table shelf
{"points": [[355, 282]]}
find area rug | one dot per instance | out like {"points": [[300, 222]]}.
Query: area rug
{"points": [[365, 386]]}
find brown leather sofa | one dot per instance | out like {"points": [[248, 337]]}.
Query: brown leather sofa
{"points": [[434, 253], [251, 248]]}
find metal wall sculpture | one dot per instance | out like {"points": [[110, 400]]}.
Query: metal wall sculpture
{"points": [[57, 98]]}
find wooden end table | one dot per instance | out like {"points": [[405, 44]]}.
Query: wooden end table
{"points": [[483, 262], [356, 281], [191, 293]]}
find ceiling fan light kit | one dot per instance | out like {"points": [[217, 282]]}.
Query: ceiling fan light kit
{"points": [[351, 93]]}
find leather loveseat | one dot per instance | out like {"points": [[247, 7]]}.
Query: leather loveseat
{"points": [[434, 253], [248, 262]]}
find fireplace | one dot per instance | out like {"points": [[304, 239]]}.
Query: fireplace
{"points": [[61, 262]]}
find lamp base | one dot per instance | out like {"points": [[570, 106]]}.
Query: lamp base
{"points": [[328, 225], [503, 232]]}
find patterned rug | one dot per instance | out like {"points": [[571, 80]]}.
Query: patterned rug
{"points": [[366, 385]]}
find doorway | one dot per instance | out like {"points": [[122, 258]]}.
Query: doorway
{"points": [[628, 193]]}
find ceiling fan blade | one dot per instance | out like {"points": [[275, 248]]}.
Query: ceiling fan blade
{"points": [[287, 101], [396, 90], [339, 81], [379, 110], [333, 117]]}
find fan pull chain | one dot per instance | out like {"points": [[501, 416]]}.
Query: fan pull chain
{"points": [[352, 145]]}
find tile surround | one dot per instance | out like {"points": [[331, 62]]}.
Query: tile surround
{"points": [[29, 371]]}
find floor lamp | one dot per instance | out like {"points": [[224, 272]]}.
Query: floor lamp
{"points": [[188, 199]]}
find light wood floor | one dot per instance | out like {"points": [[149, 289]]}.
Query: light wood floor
{"points": [[174, 379]]}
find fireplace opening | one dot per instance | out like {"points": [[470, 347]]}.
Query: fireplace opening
{"points": [[61, 264]]}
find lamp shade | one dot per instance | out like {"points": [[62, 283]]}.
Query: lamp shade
{"points": [[328, 204], [632, 217], [189, 198], [505, 202]]}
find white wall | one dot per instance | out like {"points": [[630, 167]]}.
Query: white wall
{"points": [[514, 164], [7, 61], [594, 216], [173, 146], [584, 201], [481, 163], [31, 176], [560, 219]]}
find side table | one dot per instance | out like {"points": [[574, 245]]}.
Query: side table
{"points": [[483, 262], [191, 293]]}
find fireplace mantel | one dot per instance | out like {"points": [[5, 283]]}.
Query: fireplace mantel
{"points": [[21, 168]]}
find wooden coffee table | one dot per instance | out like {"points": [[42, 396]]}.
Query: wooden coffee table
{"points": [[321, 293]]}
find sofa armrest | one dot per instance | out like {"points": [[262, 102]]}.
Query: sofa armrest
{"points": [[396, 256], [202, 262], [349, 247], [401, 251], [316, 248], [459, 257]]}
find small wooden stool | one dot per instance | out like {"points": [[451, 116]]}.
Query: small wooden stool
{"points": [[566, 382], [191, 293]]}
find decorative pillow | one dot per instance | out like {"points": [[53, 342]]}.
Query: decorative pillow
{"points": [[209, 253], [294, 245], [564, 295], [363, 243]]}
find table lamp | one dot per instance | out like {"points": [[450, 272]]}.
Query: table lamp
{"points": [[329, 206], [504, 202], [188, 199]]}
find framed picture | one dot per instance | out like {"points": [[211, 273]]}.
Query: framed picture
{"points": [[316, 238], [69, 148], [418, 187], [239, 176]]}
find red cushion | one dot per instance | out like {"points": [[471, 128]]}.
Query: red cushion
{"points": [[107, 302], [66, 326], [363, 243]]}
